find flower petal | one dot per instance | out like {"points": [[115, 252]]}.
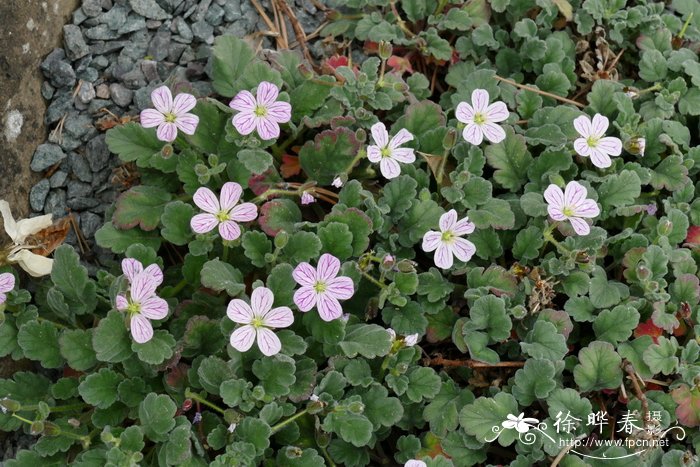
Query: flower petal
{"points": [[162, 99], [141, 329], [154, 308], [448, 220], [586, 208], [327, 268], [261, 300], [599, 125], [480, 100], [167, 132], [463, 249], [600, 159], [497, 112], [494, 133], [35, 265], [239, 311], [154, 271], [121, 302], [267, 128], [556, 213], [30, 226], [304, 274], [229, 230], [580, 226], [465, 112], [242, 338], [463, 227], [554, 196], [268, 342], [380, 135], [245, 212], [404, 155], [341, 287], [389, 168], [279, 317], [187, 123], [151, 118], [582, 124], [374, 153], [8, 222], [610, 145], [244, 122], [230, 194], [7, 282], [431, 240], [574, 193], [142, 287], [244, 101], [203, 223], [183, 103], [581, 147], [328, 307], [267, 93], [206, 200], [280, 111], [473, 134], [443, 256], [305, 298], [400, 138], [131, 267]]}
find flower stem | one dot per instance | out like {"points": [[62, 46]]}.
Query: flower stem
{"points": [[273, 192], [58, 408], [175, 290], [373, 280], [193, 395], [284, 423], [224, 255], [537, 91], [685, 25]]}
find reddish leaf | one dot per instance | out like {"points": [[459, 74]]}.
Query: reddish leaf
{"points": [[648, 328], [693, 235], [400, 64], [290, 166], [337, 60], [688, 400]]}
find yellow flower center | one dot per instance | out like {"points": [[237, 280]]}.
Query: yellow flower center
{"points": [[260, 111], [592, 141], [222, 216], [447, 236], [256, 322], [170, 117], [479, 118], [320, 287], [568, 211], [385, 152], [133, 308]]}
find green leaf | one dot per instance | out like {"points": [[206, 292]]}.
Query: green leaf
{"points": [[220, 276], [442, 413], [421, 217], [433, 285], [119, 240], [100, 389], [420, 119], [423, 383], [528, 243], [279, 214], [256, 161], [619, 189], [616, 325], [256, 432], [157, 350], [481, 416], [488, 313], [368, 340], [670, 174], [535, 381], [544, 342], [436, 45], [353, 428], [39, 341], [603, 293], [598, 367], [380, 409], [302, 246], [131, 142], [276, 374], [494, 213], [71, 278], [661, 357], [176, 223], [212, 372], [415, 9], [140, 206], [255, 246], [336, 239], [157, 416], [358, 222], [232, 56], [329, 154], [76, 348], [511, 160], [111, 339], [652, 66], [178, 449]]}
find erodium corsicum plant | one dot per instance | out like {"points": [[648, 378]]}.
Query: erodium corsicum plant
{"points": [[479, 247]]}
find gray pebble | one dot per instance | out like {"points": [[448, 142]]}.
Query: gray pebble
{"points": [[121, 95], [115, 18], [98, 104], [92, 8], [149, 9], [97, 153], [74, 42], [80, 167], [79, 16], [101, 32], [215, 15], [60, 106], [100, 63], [89, 75], [86, 93], [58, 179], [78, 125], [89, 223], [158, 48], [47, 90], [142, 97], [56, 203], [134, 79], [82, 202], [102, 91], [133, 23], [201, 10], [232, 11], [153, 24], [107, 4], [79, 189], [184, 31], [175, 52], [203, 31], [149, 68], [38, 194], [102, 48], [45, 156], [58, 71]]}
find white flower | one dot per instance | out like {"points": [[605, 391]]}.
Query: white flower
{"points": [[415, 463], [392, 334], [411, 340], [313, 398], [571, 205], [520, 423], [337, 182], [19, 231], [593, 142], [307, 198], [232, 427], [388, 152], [447, 241], [481, 118]]}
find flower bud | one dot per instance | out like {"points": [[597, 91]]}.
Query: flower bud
{"points": [[167, 151], [385, 50], [9, 405], [360, 134], [388, 262], [665, 227], [281, 239], [36, 428], [231, 416], [305, 71], [400, 87], [450, 139], [519, 312], [258, 392], [356, 407], [643, 272], [323, 439], [636, 146], [406, 265], [293, 452], [213, 160], [201, 169], [51, 429]]}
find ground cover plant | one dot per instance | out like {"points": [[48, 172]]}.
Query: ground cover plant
{"points": [[476, 246]]}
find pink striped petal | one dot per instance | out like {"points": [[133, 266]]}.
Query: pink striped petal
{"points": [[151, 118], [554, 196], [206, 200], [261, 300], [465, 112], [448, 220], [239, 311], [480, 100], [463, 227], [341, 287], [279, 317], [244, 122], [586, 208], [380, 135], [493, 132], [473, 134], [556, 213], [187, 123], [327, 268], [574, 193], [582, 124], [244, 212], [267, 93], [3, 297], [281, 112], [7, 282], [230, 195], [580, 226], [243, 102], [267, 128], [374, 153], [154, 271], [497, 112], [121, 302], [131, 267], [400, 138], [443, 256], [328, 307], [183, 103], [463, 249], [162, 99], [143, 287], [242, 338], [268, 342], [167, 132], [610, 145], [431, 240], [600, 159], [304, 274], [599, 125], [305, 298], [141, 329], [404, 155], [582, 148], [203, 223], [154, 308], [229, 230], [389, 168]]}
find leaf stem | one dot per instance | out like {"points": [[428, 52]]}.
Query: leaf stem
{"points": [[373, 280], [273, 192], [537, 91], [284, 423], [58, 408], [175, 290], [402, 23], [193, 395]]}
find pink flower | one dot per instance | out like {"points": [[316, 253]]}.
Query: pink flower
{"points": [[388, 152], [257, 318], [142, 303], [593, 143], [170, 115], [222, 212], [572, 205], [307, 198], [447, 241], [7, 283], [263, 112], [337, 182], [321, 288], [415, 463], [481, 118]]}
